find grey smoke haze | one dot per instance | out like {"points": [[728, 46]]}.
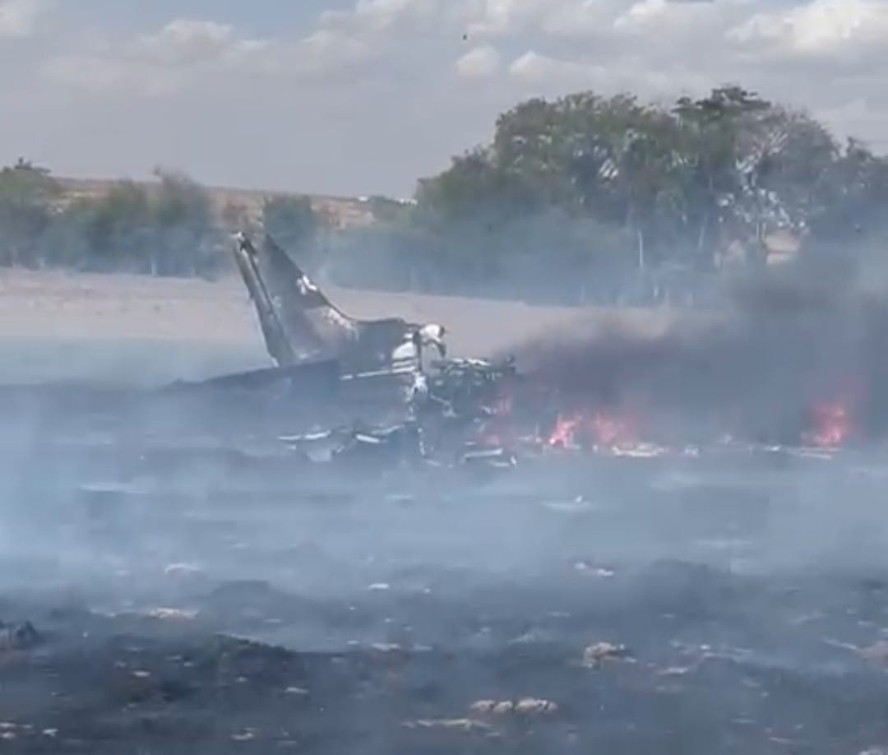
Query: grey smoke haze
{"points": [[97, 516], [544, 257]]}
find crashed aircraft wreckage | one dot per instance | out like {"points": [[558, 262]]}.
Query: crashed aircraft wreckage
{"points": [[433, 402], [383, 400]]}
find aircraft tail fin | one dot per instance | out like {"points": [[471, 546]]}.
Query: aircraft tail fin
{"points": [[298, 321]]}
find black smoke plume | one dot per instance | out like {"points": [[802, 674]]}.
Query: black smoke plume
{"points": [[756, 369]]}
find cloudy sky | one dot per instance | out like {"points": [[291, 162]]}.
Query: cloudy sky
{"points": [[364, 96]]}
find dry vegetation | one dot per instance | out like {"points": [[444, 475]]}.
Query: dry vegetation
{"points": [[340, 212]]}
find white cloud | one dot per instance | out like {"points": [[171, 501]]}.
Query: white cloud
{"points": [[187, 42], [381, 14], [668, 16], [479, 63], [18, 18], [536, 69], [506, 17], [381, 71], [93, 72], [593, 18], [584, 18], [819, 27], [188, 52]]}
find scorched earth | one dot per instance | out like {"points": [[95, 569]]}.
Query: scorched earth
{"points": [[173, 590]]}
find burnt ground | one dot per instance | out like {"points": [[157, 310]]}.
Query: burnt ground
{"points": [[195, 589]]}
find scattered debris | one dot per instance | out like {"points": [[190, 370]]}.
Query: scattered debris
{"points": [[492, 706], [595, 655], [172, 614], [384, 446], [462, 724], [498, 458], [525, 706]]}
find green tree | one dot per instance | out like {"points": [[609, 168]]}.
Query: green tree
{"points": [[119, 229], [184, 235], [185, 230], [27, 193], [473, 187], [165, 229], [853, 194], [677, 183], [292, 221], [577, 193]]}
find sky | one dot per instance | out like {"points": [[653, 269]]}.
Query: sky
{"points": [[354, 97]]}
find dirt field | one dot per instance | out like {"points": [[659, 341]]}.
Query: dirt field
{"points": [[54, 324]]}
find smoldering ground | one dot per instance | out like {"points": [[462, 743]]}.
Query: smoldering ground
{"points": [[401, 608], [748, 588]]}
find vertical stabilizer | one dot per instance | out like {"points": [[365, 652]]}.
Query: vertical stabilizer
{"points": [[274, 283], [299, 322]]}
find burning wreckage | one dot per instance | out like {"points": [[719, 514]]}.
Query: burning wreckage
{"points": [[412, 400], [395, 395]]}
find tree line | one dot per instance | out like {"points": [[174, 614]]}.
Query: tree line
{"points": [[170, 228], [584, 192], [603, 189]]}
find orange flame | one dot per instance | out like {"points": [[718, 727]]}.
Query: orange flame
{"points": [[565, 429], [597, 429], [833, 424]]}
